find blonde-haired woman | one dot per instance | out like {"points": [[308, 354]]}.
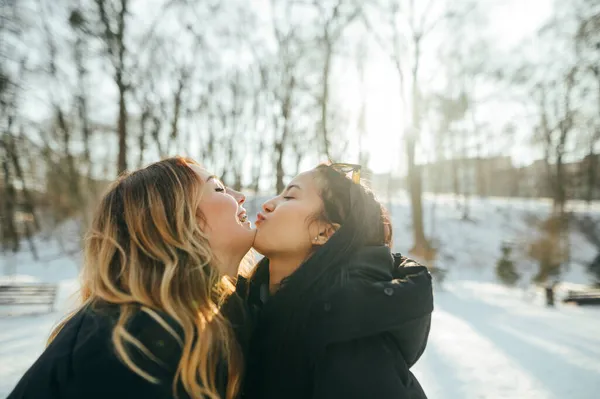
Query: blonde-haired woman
{"points": [[158, 317]]}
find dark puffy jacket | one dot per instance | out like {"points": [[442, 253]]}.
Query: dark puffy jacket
{"points": [[361, 337], [81, 361]]}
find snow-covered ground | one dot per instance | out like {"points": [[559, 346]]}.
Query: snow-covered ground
{"points": [[487, 341]]}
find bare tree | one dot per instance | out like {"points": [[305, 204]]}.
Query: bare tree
{"points": [[113, 25], [10, 235], [587, 41], [62, 126], [27, 200], [10, 96], [464, 57], [282, 81], [361, 63], [259, 110], [408, 26], [333, 22], [555, 134], [80, 57]]}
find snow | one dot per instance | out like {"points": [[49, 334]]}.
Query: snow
{"points": [[500, 346], [469, 249], [487, 340]]}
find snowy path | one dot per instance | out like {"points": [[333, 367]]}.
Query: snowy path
{"points": [[22, 339], [504, 347]]}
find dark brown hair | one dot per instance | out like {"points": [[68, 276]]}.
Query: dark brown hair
{"points": [[345, 201], [363, 222]]}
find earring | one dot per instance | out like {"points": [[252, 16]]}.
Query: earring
{"points": [[316, 238]]}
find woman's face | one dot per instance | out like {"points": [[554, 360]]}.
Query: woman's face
{"points": [[287, 226], [229, 232]]}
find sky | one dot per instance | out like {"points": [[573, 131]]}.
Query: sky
{"points": [[512, 21]]}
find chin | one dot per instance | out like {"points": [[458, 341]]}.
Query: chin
{"points": [[245, 238], [259, 245]]}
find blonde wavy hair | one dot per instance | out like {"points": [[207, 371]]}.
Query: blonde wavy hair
{"points": [[145, 251]]}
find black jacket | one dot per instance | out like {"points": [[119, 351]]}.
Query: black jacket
{"points": [[81, 361], [360, 336]]}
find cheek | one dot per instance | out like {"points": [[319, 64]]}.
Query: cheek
{"points": [[287, 228], [294, 216], [219, 212]]}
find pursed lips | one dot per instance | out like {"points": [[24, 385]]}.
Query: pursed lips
{"points": [[259, 219]]}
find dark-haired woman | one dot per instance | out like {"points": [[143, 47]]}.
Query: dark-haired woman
{"points": [[337, 314]]}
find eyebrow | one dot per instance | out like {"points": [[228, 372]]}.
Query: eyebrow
{"points": [[215, 178], [288, 188]]}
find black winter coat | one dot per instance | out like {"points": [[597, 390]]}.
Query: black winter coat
{"points": [[361, 337], [81, 361]]}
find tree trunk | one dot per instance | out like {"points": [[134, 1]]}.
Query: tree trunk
{"points": [[299, 157], [82, 107], [28, 203], [565, 126], [421, 248], [257, 167], [237, 180], [279, 186], [559, 186], [466, 170], [10, 234], [286, 109], [362, 118], [73, 182], [592, 174], [325, 98], [593, 184], [122, 128], [176, 113], [115, 43], [257, 161], [142, 137], [455, 178]]}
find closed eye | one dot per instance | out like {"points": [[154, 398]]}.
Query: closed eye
{"points": [[288, 198], [219, 189]]}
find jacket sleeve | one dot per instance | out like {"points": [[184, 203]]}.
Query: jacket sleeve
{"points": [[364, 368]]}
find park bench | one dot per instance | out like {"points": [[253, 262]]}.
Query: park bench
{"points": [[28, 294], [588, 297]]}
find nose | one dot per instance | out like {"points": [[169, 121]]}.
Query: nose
{"points": [[269, 206], [239, 197]]}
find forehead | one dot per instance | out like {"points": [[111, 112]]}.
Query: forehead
{"points": [[200, 171], [306, 181]]}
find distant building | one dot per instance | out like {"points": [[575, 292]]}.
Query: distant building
{"points": [[497, 176], [473, 176], [533, 180], [385, 183], [584, 178]]}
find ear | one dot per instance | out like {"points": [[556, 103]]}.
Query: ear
{"points": [[326, 232]]}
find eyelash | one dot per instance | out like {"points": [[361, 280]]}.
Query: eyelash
{"points": [[288, 198], [220, 190]]}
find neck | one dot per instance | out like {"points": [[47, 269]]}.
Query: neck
{"points": [[229, 265], [282, 267]]}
